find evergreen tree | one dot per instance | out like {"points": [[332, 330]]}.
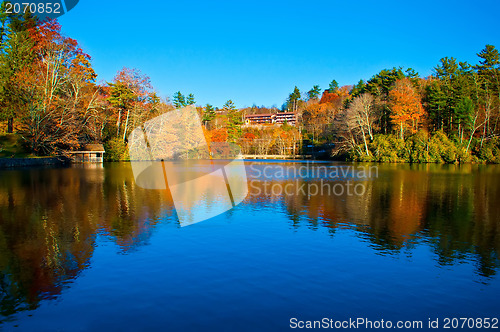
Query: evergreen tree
{"points": [[234, 121], [490, 58], [179, 100], [333, 87], [208, 114], [358, 89], [314, 92], [436, 101], [15, 54], [489, 78], [465, 111], [456, 83], [293, 100], [190, 99]]}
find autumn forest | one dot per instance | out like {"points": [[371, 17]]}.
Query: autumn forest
{"points": [[51, 103]]}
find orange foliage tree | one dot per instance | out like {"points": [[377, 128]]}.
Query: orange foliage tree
{"points": [[328, 97], [315, 118], [286, 139], [218, 135], [405, 105], [247, 141], [51, 87]]}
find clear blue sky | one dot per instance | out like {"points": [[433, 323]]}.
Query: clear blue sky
{"points": [[257, 51]]}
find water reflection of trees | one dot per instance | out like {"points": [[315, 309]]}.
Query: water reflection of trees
{"points": [[49, 220], [455, 208]]}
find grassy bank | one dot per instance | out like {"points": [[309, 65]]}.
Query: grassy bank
{"points": [[11, 146]]}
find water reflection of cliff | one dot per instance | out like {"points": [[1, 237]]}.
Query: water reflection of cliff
{"points": [[49, 220], [455, 208]]}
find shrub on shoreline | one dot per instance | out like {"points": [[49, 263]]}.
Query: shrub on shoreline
{"points": [[424, 148], [490, 151], [116, 150]]}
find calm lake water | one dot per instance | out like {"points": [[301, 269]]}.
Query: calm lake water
{"points": [[85, 248]]}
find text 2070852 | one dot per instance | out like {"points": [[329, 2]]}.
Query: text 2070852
{"points": [[33, 8]]}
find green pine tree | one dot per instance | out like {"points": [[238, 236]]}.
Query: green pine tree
{"points": [[15, 54], [314, 92], [293, 101], [179, 100], [208, 115], [333, 87], [190, 99], [234, 121]]}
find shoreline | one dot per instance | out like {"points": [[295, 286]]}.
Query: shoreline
{"points": [[9, 163]]}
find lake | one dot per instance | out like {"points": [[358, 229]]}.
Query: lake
{"points": [[85, 248]]}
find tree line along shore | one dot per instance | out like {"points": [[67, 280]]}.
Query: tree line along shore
{"points": [[50, 104]]}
